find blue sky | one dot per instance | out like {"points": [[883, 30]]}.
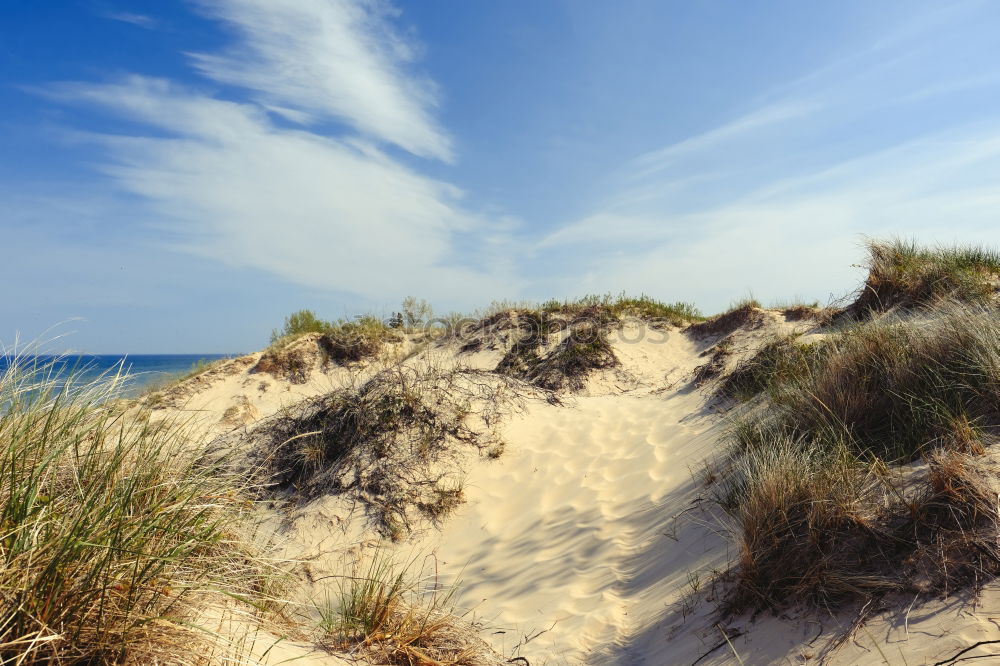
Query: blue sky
{"points": [[176, 177]]}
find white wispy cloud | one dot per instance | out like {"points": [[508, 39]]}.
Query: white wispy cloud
{"points": [[330, 59], [140, 20], [321, 207], [321, 211], [749, 124]]}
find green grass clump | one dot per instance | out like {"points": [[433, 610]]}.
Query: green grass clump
{"points": [[298, 324], [111, 537], [902, 274]]}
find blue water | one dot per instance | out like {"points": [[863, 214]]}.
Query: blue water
{"points": [[142, 369]]}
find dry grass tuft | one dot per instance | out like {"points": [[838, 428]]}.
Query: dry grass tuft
{"points": [[584, 349], [381, 614], [811, 528], [826, 529], [284, 363], [955, 522], [391, 444]]}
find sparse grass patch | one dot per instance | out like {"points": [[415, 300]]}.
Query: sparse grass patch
{"points": [[748, 302], [167, 381], [290, 364], [746, 314]]}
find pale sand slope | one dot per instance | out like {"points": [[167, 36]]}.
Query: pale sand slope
{"points": [[585, 542]]}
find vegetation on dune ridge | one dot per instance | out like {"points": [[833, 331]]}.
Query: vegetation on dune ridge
{"points": [[112, 539], [856, 467], [159, 385], [904, 275], [417, 316], [615, 307]]}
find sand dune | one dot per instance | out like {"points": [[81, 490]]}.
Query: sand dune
{"points": [[589, 541]]}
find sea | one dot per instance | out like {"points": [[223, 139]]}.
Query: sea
{"points": [[142, 370]]}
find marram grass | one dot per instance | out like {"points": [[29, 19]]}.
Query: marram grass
{"points": [[112, 539]]}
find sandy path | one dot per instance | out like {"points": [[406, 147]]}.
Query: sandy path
{"points": [[567, 533]]}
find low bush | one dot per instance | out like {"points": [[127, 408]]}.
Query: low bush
{"points": [[584, 349], [351, 341]]}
